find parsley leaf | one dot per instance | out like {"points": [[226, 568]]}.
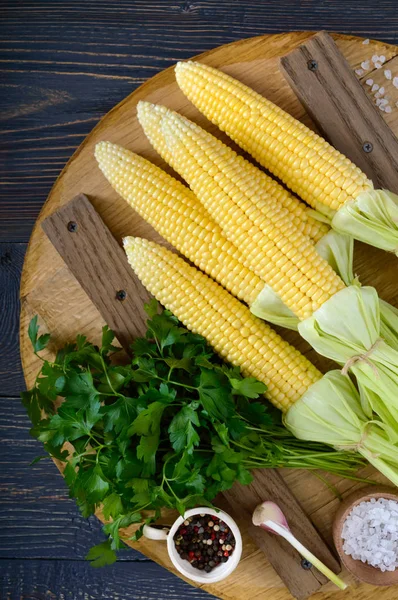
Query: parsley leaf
{"points": [[248, 387], [92, 485], [172, 428], [183, 435], [101, 555], [151, 308], [112, 506], [215, 394], [165, 330], [106, 343], [38, 343]]}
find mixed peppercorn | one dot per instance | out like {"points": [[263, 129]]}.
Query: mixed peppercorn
{"points": [[205, 541]]}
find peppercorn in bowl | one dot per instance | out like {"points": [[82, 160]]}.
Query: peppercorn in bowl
{"points": [[205, 545]]}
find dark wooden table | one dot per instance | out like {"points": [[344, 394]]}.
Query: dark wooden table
{"points": [[63, 65]]}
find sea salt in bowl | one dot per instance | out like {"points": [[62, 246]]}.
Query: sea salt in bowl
{"points": [[359, 569]]}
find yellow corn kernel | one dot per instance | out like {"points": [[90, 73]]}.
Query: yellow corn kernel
{"points": [[160, 200], [266, 188], [286, 147], [267, 238], [156, 267]]}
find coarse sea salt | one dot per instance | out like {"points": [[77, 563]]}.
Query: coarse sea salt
{"points": [[370, 533]]}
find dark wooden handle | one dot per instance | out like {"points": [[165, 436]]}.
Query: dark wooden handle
{"points": [[100, 266], [326, 85], [269, 485]]}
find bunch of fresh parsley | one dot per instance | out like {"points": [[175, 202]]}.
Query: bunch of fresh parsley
{"points": [[171, 429]]}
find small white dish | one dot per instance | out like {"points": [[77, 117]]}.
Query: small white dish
{"points": [[183, 566]]}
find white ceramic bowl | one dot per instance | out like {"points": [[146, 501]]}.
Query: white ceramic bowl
{"points": [[183, 566]]}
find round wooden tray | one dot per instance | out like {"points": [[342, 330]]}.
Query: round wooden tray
{"points": [[49, 290]]}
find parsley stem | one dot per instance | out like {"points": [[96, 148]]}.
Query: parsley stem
{"points": [[107, 378], [184, 385], [169, 375], [171, 490], [166, 480]]}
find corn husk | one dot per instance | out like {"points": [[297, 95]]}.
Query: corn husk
{"points": [[389, 323], [338, 250], [269, 306], [372, 218], [348, 326], [331, 412]]}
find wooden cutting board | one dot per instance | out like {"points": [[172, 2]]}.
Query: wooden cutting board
{"points": [[49, 290]]}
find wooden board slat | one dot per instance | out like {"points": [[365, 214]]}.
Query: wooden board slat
{"points": [[72, 580], [269, 485], [64, 65], [38, 520], [334, 98], [95, 259], [11, 260], [99, 264], [50, 290]]}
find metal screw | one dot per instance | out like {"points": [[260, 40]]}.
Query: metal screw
{"points": [[72, 226], [306, 564], [121, 295], [312, 65], [367, 147]]}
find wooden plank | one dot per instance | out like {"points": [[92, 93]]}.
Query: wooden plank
{"points": [[331, 94], [269, 485], [60, 75], [44, 523], [90, 251], [11, 376], [100, 265], [71, 579], [52, 292]]}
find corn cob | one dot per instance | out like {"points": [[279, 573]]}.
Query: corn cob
{"points": [[268, 190], [303, 160], [270, 243], [206, 308], [174, 211]]}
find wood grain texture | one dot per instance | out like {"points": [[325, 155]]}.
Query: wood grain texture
{"points": [[99, 264], [269, 485], [50, 290], [63, 65], [11, 260], [72, 580], [37, 518], [44, 539], [341, 108]]}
